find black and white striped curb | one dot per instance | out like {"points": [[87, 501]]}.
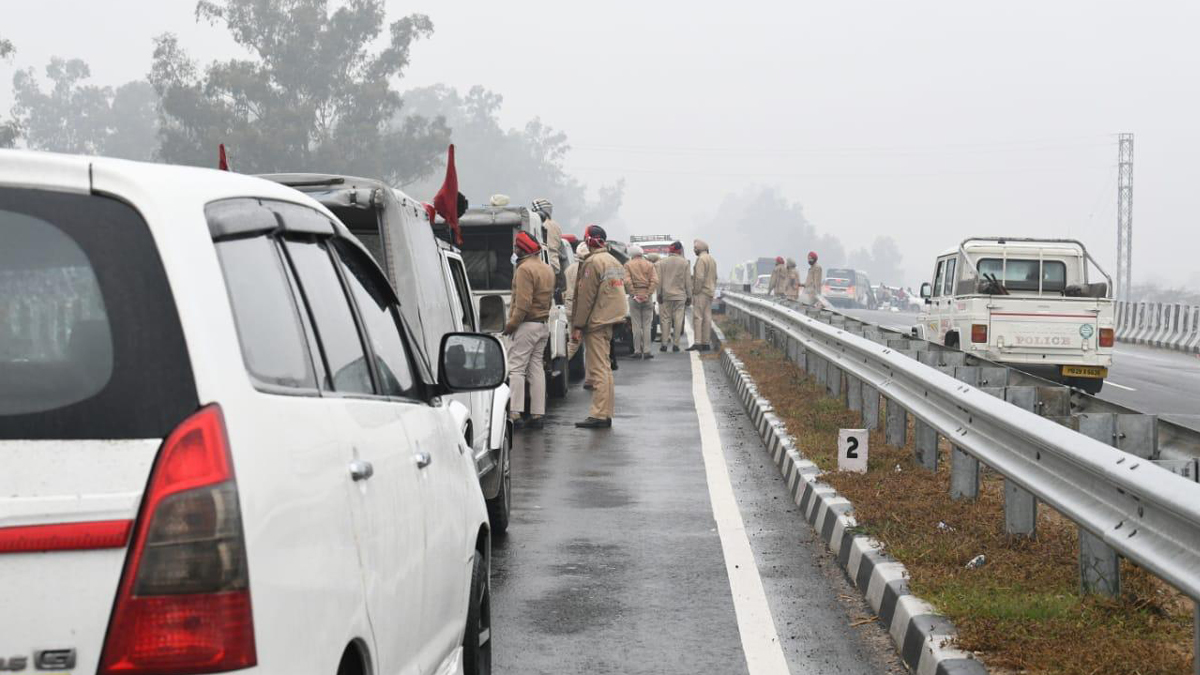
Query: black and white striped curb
{"points": [[921, 635]]}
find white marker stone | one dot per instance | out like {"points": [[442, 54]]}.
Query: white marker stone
{"points": [[852, 450]]}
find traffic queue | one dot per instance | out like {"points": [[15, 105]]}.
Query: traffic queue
{"points": [[231, 394]]}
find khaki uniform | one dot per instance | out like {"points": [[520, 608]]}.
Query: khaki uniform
{"points": [[777, 285], [674, 292], [812, 285], [532, 291], [704, 287], [572, 278], [553, 243], [599, 305], [792, 288], [641, 281]]}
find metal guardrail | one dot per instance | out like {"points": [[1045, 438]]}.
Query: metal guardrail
{"points": [[1123, 504], [1159, 324]]}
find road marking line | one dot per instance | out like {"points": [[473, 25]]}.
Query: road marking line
{"points": [[760, 641], [1119, 386]]}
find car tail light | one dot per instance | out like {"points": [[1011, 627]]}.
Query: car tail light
{"points": [[1106, 337], [183, 605], [979, 332]]}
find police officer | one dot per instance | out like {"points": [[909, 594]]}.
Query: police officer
{"points": [[641, 282], [674, 293], [704, 287], [792, 287], [599, 305], [532, 292], [811, 291], [777, 285]]}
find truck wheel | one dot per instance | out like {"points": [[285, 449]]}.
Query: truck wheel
{"points": [[500, 507], [559, 384], [1087, 385]]}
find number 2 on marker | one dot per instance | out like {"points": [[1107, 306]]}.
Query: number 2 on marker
{"points": [[852, 449]]}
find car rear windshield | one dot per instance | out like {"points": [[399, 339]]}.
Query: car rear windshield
{"points": [[837, 277], [487, 253], [1023, 275], [90, 342]]}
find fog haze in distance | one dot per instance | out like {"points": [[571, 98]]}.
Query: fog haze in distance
{"points": [[926, 121]]}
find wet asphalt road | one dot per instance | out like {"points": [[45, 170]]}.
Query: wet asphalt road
{"points": [[613, 563]]}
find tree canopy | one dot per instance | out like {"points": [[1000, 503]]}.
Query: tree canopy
{"points": [[524, 163], [8, 130], [81, 118], [310, 94]]}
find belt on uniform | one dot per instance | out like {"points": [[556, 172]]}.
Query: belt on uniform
{"points": [[535, 321]]}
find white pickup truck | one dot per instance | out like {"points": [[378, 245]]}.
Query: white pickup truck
{"points": [[1028, 303]]}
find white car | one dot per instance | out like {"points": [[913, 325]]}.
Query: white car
{"points": [[220, 449]]}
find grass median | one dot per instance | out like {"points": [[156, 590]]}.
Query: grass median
{"points": [[1021, 610]]}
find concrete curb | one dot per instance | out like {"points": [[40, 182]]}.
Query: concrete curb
{"points": [[920, 634]]}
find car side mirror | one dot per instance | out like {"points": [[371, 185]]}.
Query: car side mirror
{"points": [[470, 362], [926, 290]]}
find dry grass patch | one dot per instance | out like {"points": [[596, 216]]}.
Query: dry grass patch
{"points": [[1021, 610]]}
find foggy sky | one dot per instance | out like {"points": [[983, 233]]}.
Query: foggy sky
{"points": [[928, 121]]}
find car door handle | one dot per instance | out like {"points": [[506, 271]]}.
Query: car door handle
{"points": [[361, 470], [423, 459]]}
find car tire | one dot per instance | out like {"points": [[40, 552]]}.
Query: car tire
{"points": [[576, 367], [559, 384], [499, 508], [477, 638], [1087, 385], [952, 340]]}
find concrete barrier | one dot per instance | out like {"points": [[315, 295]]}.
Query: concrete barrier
{"points": [[1164, 325]]}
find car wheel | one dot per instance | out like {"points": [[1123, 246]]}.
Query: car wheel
{"points": [[576, 367], [477, 638], [500, 507], [559, 384]]}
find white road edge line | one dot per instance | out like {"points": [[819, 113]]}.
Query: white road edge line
{"points": [[760, 640], [1118, 386]]}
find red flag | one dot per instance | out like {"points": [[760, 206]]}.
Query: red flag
{"points": [[446, 201], [222, 161]]}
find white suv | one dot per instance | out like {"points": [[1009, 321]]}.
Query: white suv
{"points": [[220, 450]]}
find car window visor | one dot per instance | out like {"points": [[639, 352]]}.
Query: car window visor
{"points": [[241, 217]]}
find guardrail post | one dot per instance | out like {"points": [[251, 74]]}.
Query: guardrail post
{"points": [[822, 366], [870, 407], [1099, 564], [1020, 506], [925, 441], [897, 424], [833, 384], [854, 393], [964, 475]]}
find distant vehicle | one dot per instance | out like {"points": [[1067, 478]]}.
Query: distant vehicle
{"points": [[223, 446], [748, 272], [654, 243], [488, 235], [848, 288], [1025, 302], [761, 285], [430, 277]]}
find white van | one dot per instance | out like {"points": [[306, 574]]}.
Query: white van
{"points": [[430, 277], [222, 446]]}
